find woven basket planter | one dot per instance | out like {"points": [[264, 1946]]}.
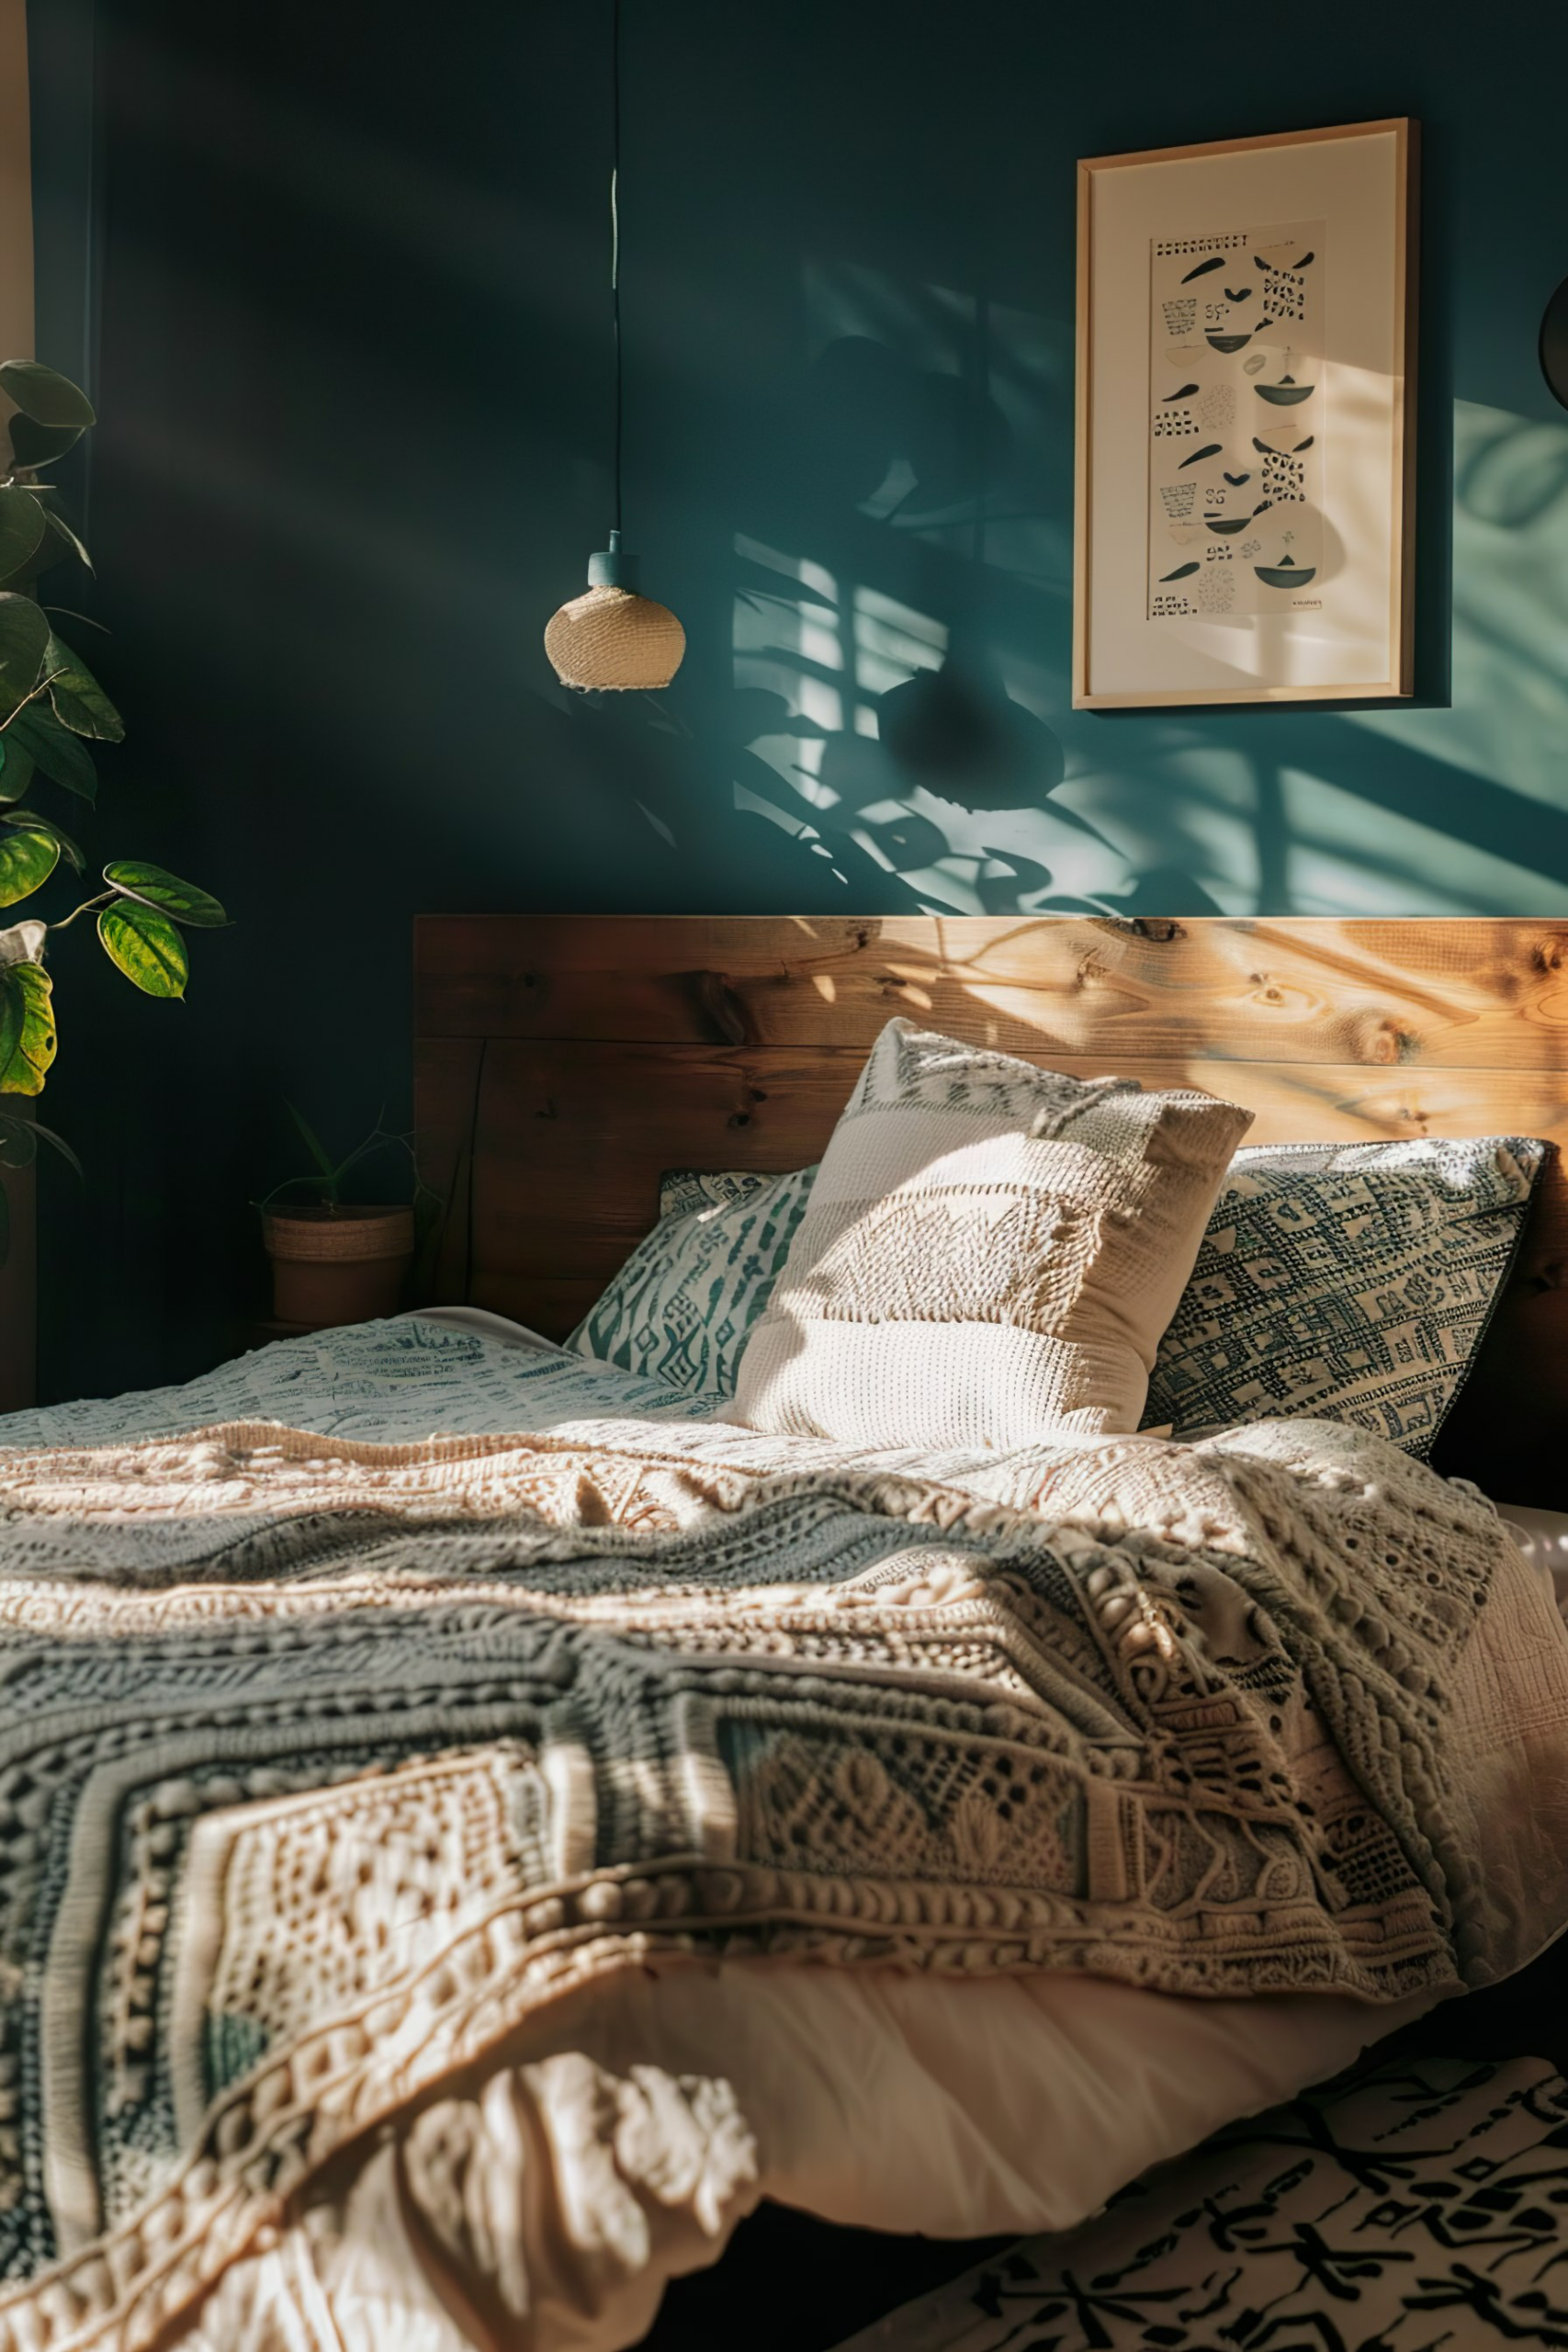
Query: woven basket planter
{"points": [[607, 640], [344, 1265]]}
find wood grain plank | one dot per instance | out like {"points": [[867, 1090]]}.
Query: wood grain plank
{"points": [[572, 1139], [446, 1094], [1473, 994]]}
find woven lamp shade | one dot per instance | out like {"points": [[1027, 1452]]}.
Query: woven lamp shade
{"points": [[608, 640]]}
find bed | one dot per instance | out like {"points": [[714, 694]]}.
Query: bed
{"points": [[459, 1798]]}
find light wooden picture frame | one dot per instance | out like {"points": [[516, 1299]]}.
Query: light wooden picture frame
{"points": [[1246, 433]]}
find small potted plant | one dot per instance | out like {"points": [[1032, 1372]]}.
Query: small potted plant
{"points": [[335, 1260]]}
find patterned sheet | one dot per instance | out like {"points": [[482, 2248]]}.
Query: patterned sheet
{"points": [[410, 1378], [1422, 2208]]}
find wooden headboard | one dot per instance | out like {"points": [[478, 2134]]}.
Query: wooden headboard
{"points": [[562, 1062]]}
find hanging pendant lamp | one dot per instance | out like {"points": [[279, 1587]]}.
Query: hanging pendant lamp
{"points": [[609, 640]]}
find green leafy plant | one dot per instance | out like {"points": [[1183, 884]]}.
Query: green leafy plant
{"points": [[325, 1177], [51, 709]]}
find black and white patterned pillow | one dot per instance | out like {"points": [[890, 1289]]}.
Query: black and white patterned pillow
{"points": [[1349, 1282]]}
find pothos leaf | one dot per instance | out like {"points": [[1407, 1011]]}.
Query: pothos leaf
{"points": [[146, 947], [27, 1027], [56, 1143], [20, 1137], [27, 857], [24, 636], [79, 703], [57, 524], [58, 542], [22, 525], [57, 753], [39, 444], [31, 818], [44, 395], [16, 765], [165, 892]]}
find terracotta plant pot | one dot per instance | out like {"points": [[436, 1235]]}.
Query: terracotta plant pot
{"points": [[337, 1265]]}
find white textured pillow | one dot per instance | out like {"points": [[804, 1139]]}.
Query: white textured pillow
{"points": [[989, 1254]]}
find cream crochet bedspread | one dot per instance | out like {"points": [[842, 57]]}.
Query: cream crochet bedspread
{"points": [[325, 1767]]}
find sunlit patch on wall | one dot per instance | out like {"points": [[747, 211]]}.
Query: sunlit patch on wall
{"points": [[810, 656], [1509, 720], [1348, 858], [815, 659]]}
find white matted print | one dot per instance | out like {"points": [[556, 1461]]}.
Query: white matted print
{"points": [[1245, 428]]}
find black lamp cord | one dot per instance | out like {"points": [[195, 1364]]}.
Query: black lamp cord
{"points": [[615, 229]]}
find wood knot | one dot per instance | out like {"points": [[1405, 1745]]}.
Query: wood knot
{"points": [[1161, 929], [1392, 1044], [723, 1009], [1548, 955]]}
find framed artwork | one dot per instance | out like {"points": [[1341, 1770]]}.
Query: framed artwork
{"points": [[1246, 421]]}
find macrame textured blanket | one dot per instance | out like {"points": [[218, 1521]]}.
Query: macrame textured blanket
{"points": [[323, 1764]]}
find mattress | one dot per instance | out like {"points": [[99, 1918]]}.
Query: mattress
{"points": [[956, 2109]]}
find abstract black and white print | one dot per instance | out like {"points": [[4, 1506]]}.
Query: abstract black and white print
{"points": [[1420, 2207], [1237, 402]]}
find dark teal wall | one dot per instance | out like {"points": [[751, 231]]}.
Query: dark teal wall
{"points": [[348, 293]]}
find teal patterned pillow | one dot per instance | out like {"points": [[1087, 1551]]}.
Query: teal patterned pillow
{"points": [[1348, 1282], [682, 1305]]}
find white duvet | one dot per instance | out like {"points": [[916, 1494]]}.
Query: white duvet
{"points": [[957, 2109]]}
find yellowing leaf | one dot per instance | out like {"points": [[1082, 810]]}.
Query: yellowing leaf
{"points": [[29, 855], [165, 892], [30, 821], [146, 947], [27, 1028]]}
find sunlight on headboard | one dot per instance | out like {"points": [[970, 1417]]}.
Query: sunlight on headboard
{"points": [[562, 1062]]}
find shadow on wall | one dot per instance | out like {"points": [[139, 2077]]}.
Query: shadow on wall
{"points": [[897, 704]]}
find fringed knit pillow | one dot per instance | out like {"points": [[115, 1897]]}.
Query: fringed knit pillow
{"points": [[989, 1253]]}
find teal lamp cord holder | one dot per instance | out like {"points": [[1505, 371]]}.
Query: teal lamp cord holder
{"points": [[606, 570]]}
